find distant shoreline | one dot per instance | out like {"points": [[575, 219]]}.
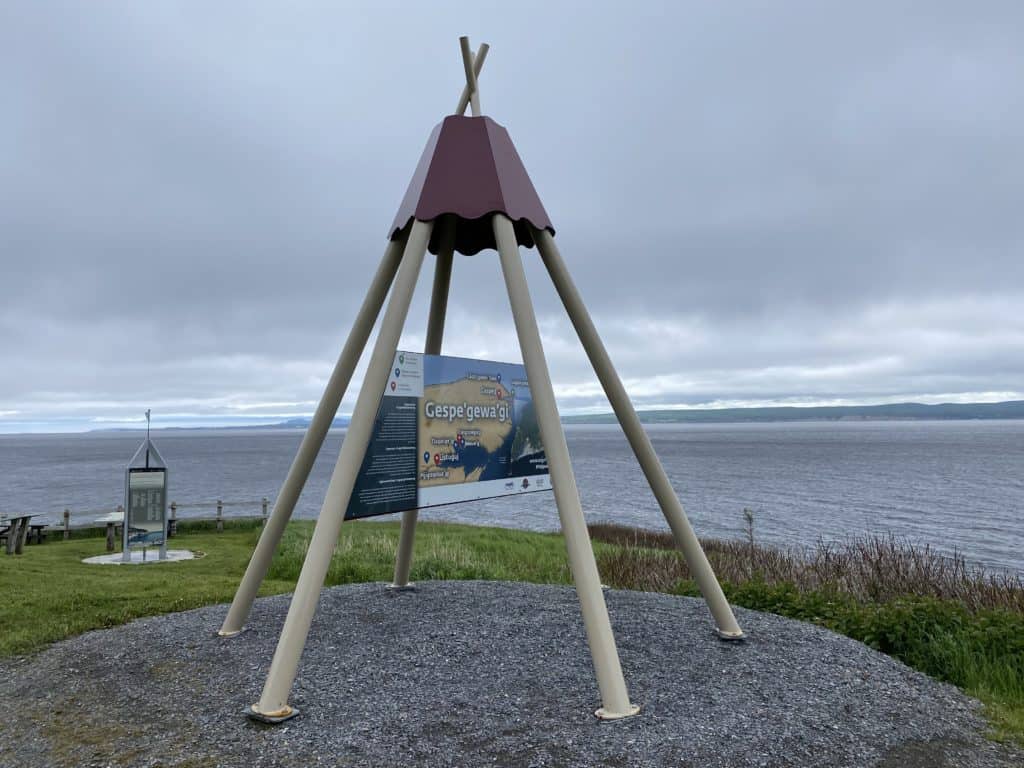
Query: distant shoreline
{"points": [[1011, 409]]}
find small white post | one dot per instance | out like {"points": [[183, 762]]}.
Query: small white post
{"points": [[126, 550]]}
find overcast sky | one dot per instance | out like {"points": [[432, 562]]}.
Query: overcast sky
{"points": [[761, 202]]}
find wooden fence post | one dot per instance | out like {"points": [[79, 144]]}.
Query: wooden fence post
{"points": [[220, 516], [67, 524], [172, 525], [264, 510]]}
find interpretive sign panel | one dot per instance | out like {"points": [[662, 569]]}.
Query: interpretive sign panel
{"points": [[146, 517], [450, 429]]}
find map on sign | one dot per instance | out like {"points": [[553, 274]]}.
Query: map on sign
{"points": [[450, 429]]}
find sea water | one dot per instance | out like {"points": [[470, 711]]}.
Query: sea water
{"points": [[951, 484]]}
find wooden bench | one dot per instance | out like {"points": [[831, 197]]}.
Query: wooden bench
{"points": [[16, 532]]}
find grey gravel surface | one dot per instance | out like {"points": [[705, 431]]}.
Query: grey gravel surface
{"points": [[482, 674]]}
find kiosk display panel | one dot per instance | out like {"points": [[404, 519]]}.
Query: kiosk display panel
{"points": [[146, 518]]}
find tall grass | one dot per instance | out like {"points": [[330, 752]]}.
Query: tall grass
{"points": [[936, 613], [869, 568]]}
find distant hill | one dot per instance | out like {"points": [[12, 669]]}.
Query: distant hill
{"points": [[301, 422], [1013, 409], [298, 422]]}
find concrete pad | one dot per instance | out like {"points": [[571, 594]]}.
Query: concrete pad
{"points": [[152, 556]]}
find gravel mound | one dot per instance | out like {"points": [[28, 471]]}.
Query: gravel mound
{"points": [[482, 673]]}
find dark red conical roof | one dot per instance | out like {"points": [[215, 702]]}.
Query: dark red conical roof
{"points": [[471, 169]]}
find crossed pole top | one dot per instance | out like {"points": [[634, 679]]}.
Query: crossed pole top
{"points": [[468, 171], [472, 64]]}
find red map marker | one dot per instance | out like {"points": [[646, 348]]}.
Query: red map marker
{"points": [[437, 459], [393, 386]]}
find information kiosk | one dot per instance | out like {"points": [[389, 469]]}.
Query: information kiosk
{"points": [[145, 501]]}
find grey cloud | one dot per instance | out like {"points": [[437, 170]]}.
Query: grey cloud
{"points": [[818, 201]]}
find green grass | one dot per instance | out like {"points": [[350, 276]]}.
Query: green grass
{"points": [[366, 552], [50, 595]]}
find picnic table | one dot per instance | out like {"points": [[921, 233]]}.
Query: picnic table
{"points": [[18, 530]]}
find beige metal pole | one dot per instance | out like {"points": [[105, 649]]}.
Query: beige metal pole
{"points": [[273, 703], [256, 571], [614, 696], [467, 63], [435, 333], [727, 627], [478, 64]]}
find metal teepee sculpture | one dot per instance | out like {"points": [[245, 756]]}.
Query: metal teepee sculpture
{"points": [[470, 192]]}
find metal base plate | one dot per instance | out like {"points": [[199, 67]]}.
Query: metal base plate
{"points": [[410, 587], [603, 714], [730, 636], [271, 718], [228, 635]]}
